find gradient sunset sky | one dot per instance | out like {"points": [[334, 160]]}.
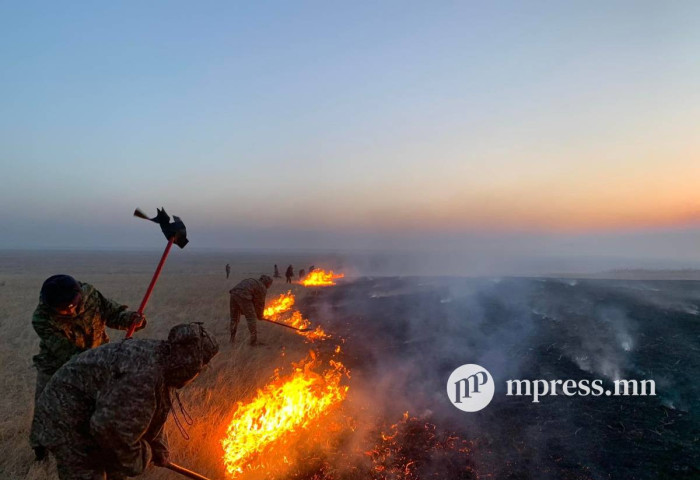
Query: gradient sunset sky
{"points": [[572, 125]]}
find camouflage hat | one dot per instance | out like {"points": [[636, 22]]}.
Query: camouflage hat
{"points": [[60, 291], [266, 280], [194, 335]]}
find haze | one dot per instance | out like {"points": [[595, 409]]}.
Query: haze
{"points": [[488, 130]]}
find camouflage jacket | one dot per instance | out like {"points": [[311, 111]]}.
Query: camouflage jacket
{"points": [[253, 290], [113, 401], [62, 336]]}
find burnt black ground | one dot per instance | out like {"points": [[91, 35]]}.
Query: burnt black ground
{"points": [[404, 336]]}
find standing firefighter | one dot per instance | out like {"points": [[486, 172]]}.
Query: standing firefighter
{"points": [[248, 299], [228, 270], [277, 272], [71, 318], [289, 273], [102, 413]]}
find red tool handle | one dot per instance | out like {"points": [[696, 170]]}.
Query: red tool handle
{"points": [[132, 328]]}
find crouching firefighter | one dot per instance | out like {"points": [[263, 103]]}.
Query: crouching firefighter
{"points": [[72, 317], [102, 414], [248, 299]]}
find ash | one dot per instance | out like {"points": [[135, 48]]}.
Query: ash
{"points": [[404, 336]]}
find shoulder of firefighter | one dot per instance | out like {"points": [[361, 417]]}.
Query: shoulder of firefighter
{"points": [[63, 336], [248, 288], [253, 290], [124, 384]]}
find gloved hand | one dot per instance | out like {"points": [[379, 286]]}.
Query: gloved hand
{"points": [[138, 319]]}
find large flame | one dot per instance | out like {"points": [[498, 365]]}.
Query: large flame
{"points": [[284, 406], [279, 305], [321, 278]]}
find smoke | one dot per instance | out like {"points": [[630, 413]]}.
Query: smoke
{"points": [[405, 335]]}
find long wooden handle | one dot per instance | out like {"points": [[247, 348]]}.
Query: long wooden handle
{"points": [[285, 325], [186, 472]]}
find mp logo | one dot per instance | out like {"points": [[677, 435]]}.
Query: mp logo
{"points": [[470, 387]]}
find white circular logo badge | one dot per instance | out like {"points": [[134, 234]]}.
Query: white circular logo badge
{"points": [[470, 387]]}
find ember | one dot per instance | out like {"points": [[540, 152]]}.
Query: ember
{"points": [[284, 406], [414, 448], [411, 449], [321, 278]]}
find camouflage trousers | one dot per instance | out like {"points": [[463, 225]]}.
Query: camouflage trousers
{"points": [[41, 380], [242, 306], [78, 461]]}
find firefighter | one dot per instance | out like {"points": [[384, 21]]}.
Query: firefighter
{"points": [[247, 298], [228, 270], [277, 272], [102, 414], [289, 274], [71, 318]]}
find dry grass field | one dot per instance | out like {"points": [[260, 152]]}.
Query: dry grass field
{"points": [[192, 287], [400, 337]]}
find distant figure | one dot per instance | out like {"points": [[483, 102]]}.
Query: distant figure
{"points": [[102, 414], [71, 318], [277, 272], [301, 274], [228, 270], [248, 299], [289, 274], [312, 268]]}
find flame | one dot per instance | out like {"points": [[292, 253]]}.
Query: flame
{"points": [[321, 278], [283, 304], [297, 321], [279, 305], [281, 408]]}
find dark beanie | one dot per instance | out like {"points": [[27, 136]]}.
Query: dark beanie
{"points": [[59, 291]]}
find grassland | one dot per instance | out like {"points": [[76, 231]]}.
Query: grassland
{"points": [[193, 287]]}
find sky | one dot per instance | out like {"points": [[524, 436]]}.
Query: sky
{"points": [[536, 128]]}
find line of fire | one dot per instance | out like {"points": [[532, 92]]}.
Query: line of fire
{"points": [[296, 426]]}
